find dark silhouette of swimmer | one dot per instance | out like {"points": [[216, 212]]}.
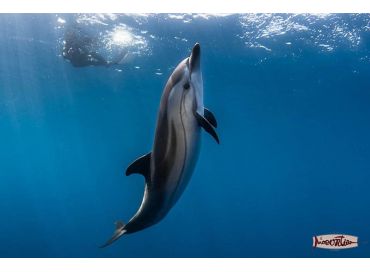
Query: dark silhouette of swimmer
{"points": [[79, 50]]}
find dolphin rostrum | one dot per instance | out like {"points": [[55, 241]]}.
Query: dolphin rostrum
{"points": [[168, 168]]}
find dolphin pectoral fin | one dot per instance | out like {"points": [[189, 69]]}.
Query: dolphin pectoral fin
{"points": [[203, 122], [140, 166], [117, 234], [210, 117]]}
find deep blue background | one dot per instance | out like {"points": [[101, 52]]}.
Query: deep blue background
{"points": [[294, 158]]}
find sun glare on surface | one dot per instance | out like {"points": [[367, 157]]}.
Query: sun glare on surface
{"points": [[121, 36]]}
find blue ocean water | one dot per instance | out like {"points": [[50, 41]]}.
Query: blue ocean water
{"points": [[291, 93]]}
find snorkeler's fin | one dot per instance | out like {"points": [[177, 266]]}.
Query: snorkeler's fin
{"points": [[210, 117], [203, 122], [120, 58], [117, 233], [140, 166]]}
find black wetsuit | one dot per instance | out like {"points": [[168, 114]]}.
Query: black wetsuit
{"points": [[77, 50]]}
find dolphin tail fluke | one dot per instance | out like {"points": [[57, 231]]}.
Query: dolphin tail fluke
{"points": [[117, 233]]}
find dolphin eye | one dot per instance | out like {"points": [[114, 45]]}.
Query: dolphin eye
{"points": [[186, 86]]}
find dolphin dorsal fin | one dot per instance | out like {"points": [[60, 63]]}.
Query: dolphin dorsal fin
{"points": [[140, 166]]}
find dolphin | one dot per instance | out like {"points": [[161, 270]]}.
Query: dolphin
{"points": [[168, 168]]}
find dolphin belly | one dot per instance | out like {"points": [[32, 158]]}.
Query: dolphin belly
{"points": [[188, 134]]}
